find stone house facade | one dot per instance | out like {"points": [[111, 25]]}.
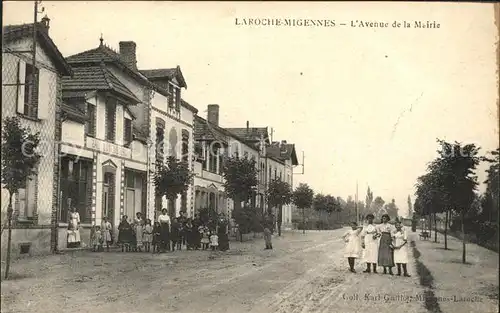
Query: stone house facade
{"points": [[31, 90]]}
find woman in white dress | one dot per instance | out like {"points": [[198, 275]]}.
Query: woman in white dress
{"points": [[74, 229], [370, 245], [138, 229], [164, 220], [353, 245], [400, 245], [106, 229]]}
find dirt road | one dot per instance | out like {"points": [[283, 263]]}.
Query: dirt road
{"points": [[304, 273]]}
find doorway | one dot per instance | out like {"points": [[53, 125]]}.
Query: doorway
{"points": [[108, 203]]}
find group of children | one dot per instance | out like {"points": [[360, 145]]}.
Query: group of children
{"points": [[142, 234], [366, 243]]}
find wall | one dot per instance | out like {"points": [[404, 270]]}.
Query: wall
{"points": [[47, 98]]}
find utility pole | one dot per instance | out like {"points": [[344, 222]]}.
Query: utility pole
{"points": [[303, 209], [356, 203]]}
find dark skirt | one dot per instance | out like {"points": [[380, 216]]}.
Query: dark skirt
{"points": [[223, 242], [385, 253], [164, 233], [125, 236]]}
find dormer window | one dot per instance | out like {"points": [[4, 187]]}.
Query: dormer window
{"points": [[127, 129], [177, 99]]}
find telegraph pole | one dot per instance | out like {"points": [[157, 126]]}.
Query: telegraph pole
{"points": [[356, 203]]}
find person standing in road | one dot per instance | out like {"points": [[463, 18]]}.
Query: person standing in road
{"points": [[164, 221], [400, 245], [370, 245], [385, 252], [268, 228], [353, 244]]}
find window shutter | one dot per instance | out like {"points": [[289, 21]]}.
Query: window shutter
{"points": [[45, 98], [21, 76]]}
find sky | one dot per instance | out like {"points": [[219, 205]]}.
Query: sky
{"points": [[365, 105]]}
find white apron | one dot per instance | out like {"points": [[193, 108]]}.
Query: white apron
{"points": [[401, 254], [370, 253], [353, 244]]}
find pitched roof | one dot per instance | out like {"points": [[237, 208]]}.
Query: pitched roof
{"points": [[169, 73], [104, 54], [73, 113], [96, 78], [283, 151], [204, 130], [12, 33], [252, 134]]}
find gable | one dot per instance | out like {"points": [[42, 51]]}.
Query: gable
{"points": [[24, 44]]}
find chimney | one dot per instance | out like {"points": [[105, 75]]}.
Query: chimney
{"points": [[213, 114], [283, 142], [45, 23], [127, 54], [248, 126]]}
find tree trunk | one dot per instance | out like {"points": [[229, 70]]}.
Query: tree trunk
{"points": [[435, 228], [446, 230], [430, 226], [463, 236], [9, 236], [280, 218], [303, 220]]}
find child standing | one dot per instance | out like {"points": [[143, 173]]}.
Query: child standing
{"points": [[147, 237], [106, 229], [156, 237], [205, 240], [400, 247], [96, 239], [353, 245], [175, 235], [214, 240]]}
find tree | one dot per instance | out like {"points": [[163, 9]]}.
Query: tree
{"points": [[172, 179], [410, 209], [457, 165], [391, 209], [369, 200], [279, 193], [19, 160], [492, 194], [303, 198], [240, 179], [320, 205], [378, 205]]}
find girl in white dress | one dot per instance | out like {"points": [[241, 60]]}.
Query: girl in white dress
{"points": [[74, 229], [214, 240], [400, 246], [106, 229], [370, 245], [353, 245]]}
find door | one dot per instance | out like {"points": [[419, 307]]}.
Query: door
{"points": [[108, 207], [129, 204]]}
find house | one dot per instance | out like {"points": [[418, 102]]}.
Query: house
{"points": [[31, 90], [122, 119], [285, 152], [212, 144], [257, 138]]}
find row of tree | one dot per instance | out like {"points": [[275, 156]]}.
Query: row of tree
{"points": [[449, 188]]}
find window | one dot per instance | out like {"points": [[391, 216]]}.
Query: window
{"points": [[214, 155], [275, 173], [110, 120], [185, 145], [31, 91], [127, 129], [90, 124], [177, 99], [172, 95], [25, 199], [160, 145]]}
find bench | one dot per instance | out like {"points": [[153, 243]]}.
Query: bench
{"points": [[424, 235]]}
